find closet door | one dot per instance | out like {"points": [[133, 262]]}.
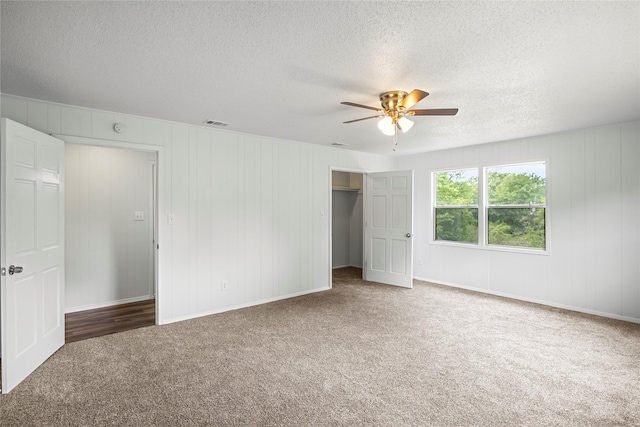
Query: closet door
{"points": [[388, 252]]}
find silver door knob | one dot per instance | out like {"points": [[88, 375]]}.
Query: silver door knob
{"points": [[14, 269], [409, 235]]}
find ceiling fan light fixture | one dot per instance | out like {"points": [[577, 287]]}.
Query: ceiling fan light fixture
{"points": [[405, 124], [387, 126]]}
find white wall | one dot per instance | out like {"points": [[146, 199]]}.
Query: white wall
{"points": [[356, 221], [346, 228], [340, 229], [251, 210], [593, 223], [108, 253]]}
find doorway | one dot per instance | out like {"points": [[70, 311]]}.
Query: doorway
{"points": [[110, 217], [346, 219], [387, 214]]}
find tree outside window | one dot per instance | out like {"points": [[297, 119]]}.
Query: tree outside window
{"points": [[517, 205], [514, 206], [456, 210]]}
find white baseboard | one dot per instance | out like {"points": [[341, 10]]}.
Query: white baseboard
{"points": [[239, 306], [533, 300], [335, 267], [106, 304], [344, 266]]}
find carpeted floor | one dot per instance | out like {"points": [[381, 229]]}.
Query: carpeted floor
{"points": [[359, 354]]}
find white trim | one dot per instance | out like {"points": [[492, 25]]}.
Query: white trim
{"points": [[330, 213], [533, 300], [483, 207], [110, 143], [345, 266], [106, 304], [245, 305], [159, 209]]}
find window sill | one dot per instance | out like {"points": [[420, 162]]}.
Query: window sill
{"points": [[492, 248]]}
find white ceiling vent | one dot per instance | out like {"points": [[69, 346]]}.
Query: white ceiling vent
{"points": [[339, 144], [215, 123]]}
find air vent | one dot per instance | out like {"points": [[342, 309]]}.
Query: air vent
{"points": [[215, 123], [339, 144]]}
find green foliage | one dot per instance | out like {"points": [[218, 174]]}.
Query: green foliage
{"points": [[516, 189], [457, 224], [522, 227], [456, 188]]}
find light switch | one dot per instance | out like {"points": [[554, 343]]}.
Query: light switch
{"points": [[138, 216], [171, 219]]}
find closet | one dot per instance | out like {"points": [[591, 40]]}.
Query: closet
{"points": [[347, 219]]}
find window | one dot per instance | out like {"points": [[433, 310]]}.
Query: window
{"points": [[456, 211], [516, 205], [513, 204]]}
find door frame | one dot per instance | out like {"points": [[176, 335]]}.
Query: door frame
{"points": [[330, 213], [160, 229]]}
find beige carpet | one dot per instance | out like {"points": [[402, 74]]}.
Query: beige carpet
{"points": [[360, 354]]}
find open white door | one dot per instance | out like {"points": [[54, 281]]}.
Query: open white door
{"points": [[32, 257], [389, 228]]}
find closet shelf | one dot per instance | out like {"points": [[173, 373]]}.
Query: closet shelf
{"points": [[346, 189]]}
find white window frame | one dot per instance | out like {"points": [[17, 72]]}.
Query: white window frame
{"points": [[483, 209], [434, 205]]}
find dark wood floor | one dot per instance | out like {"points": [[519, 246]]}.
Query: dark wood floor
{"points": [[108, 320]]}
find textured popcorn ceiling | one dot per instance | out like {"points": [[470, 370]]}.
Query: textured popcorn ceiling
{"points": [[281, 69]]}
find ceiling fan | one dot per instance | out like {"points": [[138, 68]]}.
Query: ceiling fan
{"points": [[396, 106]]}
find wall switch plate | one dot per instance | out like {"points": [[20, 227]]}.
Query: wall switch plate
{"points": [[225, 285], [138, 216], [171, 219]]}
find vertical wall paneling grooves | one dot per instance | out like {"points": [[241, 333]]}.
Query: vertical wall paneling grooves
{"points": [[578, 218], [593, 223], [234, 238], [608, 213], [630, 220], [241, 235], [590, 220], [192, 264], [203, 224], [179, 230], [276, 220], [220, 186], [266, 217], [560, 228]]}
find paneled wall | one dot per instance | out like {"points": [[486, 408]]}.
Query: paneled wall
{"points": [[108, 251], [593, 223], [250, 211]]}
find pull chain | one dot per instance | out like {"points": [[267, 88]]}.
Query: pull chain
{"points": [[395, 137]]}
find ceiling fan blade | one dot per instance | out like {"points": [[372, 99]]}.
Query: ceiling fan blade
{"points": [[366, 118], [434, 112], [413, 98], [362, 106]]}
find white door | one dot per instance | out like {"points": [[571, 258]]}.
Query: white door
{"points": [[389, 228], [32, 281]]}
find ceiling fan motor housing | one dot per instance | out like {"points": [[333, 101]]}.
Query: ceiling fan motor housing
{"points": [[391, 100]]}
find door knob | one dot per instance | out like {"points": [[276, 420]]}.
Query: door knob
{"points": [[14, 269], [409, 235]]}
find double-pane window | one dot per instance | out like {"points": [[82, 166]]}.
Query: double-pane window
{"points": [[513, 205]]}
